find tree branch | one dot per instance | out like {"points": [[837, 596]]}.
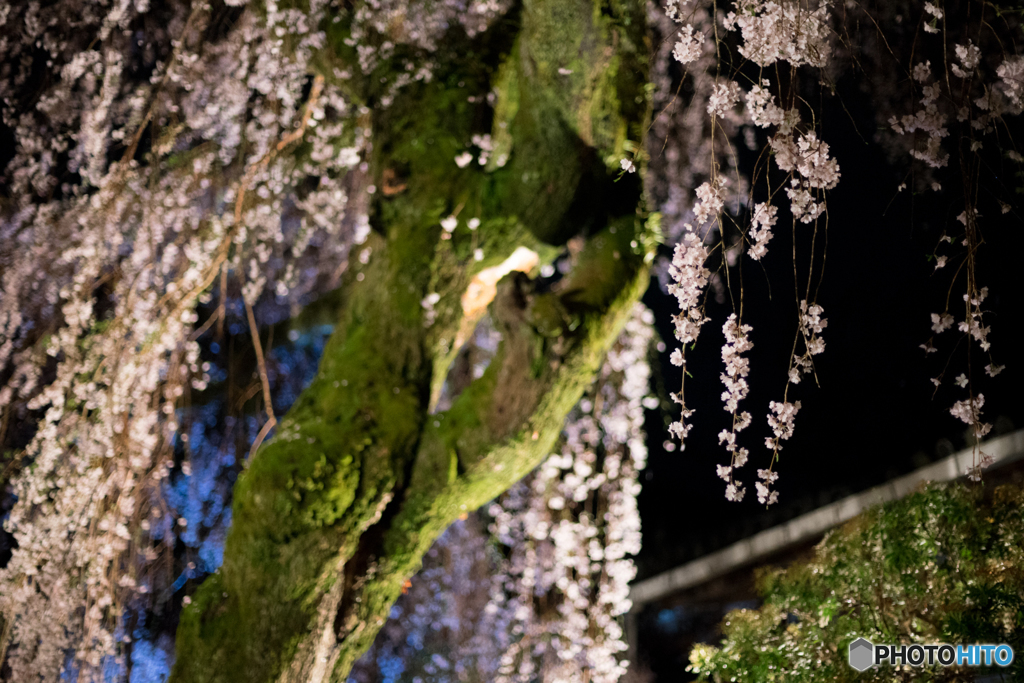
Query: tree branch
{"points": [[338, 508]]}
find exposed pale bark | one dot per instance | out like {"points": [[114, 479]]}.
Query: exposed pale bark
{"points": [[336, 511]]}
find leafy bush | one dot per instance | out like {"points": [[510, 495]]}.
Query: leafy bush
{"points": [[940, 566]]}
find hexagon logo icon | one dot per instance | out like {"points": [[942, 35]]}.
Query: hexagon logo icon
{"points": [[862, 654]]}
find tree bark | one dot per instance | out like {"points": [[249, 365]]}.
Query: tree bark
{"points": [[334, 513]]}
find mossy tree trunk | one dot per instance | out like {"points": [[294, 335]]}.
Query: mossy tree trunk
{"points": [[334, 514]]}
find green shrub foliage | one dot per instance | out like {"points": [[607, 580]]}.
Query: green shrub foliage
{"points": [[943, 565]]}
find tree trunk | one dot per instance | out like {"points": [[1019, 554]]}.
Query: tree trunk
{"points": [[334, 513]]}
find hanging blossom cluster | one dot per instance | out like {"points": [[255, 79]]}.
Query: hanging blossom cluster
{"points": [[793, 31], [973, 325], [545, 606], [974, 329], [799, 34], [689, 45], [929, 119], [808, 160], [976, 97], [688, 147], [571, 529], [769, 32], [724, 97], [972, 102], [689, 278], [803, 156], [762, 222], [737, 342], [811, 326]]}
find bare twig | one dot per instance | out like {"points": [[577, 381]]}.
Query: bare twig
{"points": [[262, 365]]}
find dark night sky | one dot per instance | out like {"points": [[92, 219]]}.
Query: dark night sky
{"points": [[874, 415]]}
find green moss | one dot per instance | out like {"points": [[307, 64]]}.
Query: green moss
{"points": [[493, 450], [311, 490]]}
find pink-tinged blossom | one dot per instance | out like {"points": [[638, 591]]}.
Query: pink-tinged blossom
{"points": [[711, 200], [761, 106], [974, 473], [969, 56], [1011, 74], [428, 303], [818, 169], [781, 420], [724, 97], [761, 229], [737, 342], [936, 13], [802, 204], [486, 146], [690, 277], [968, 411], [931, 120], [765, 496], [811, 325], [784, 30], [688, 46], [974, 325], [808, 160], [786, 153], [941, 323], [735, 493], [922, 71], [680, 431]]}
